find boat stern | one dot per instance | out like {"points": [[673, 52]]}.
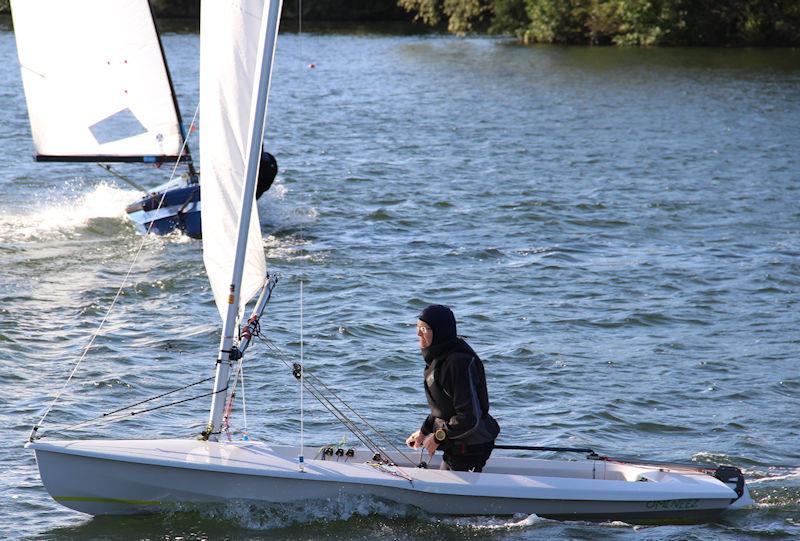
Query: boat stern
{"points": [[161, 212], [734, 479]]}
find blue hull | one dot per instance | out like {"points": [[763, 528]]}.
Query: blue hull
{"points": [[179, 209], [176, 204]]}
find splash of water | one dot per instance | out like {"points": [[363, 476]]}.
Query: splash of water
{"points": [[262, 516], [65, 214], [278, 190], [777, 474], [489, 523]]}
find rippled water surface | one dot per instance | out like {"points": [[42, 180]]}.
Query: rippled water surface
{"points": [[618, 232]]}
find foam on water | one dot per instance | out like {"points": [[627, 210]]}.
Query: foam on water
{"points": [[176, 237], [64, 214], [494, 523], [278, 190], [775, 474], [263, 516]]}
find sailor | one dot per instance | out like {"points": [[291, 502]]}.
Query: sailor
{"points": [[455, 385], [267, 170]]}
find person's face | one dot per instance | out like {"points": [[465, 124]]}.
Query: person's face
{"points": [[425, 334]]}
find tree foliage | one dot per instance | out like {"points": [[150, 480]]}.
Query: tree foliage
{"points": [[461, 15], [621, 22]]}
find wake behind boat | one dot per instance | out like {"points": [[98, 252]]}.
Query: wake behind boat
{"points": [[135, 476]]}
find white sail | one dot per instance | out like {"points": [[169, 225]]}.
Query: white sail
{"points": [[229, 31], [95, 81]]}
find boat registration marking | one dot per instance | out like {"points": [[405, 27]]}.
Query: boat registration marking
{"points": [[673, 504]]}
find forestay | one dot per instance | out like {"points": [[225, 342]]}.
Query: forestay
{"points": [[95, 81], [228, 54]]}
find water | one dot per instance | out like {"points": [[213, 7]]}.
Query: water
{"points": [[618, 232]]}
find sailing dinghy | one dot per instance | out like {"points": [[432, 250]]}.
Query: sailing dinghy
{"points": [[138, 476], [98, 90]]}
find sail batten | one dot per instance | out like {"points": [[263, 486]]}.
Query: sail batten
{"points": [[103, 94]]}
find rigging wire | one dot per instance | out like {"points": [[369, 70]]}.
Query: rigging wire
{"points": [[300, 458], [120, 414], [333, 408], [96, 333], [246, 333], [312, 384], [162, 395]]}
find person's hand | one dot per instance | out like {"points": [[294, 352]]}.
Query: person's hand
{"points": [[430, 444], [415, 439]]}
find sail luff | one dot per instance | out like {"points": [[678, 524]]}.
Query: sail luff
{"points": [[229, 41], [227, 354]]}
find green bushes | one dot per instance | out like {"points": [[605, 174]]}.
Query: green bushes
{"points": [[621, 22], [461, 16]]}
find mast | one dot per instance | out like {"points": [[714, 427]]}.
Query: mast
{"points": [[228, 352]]}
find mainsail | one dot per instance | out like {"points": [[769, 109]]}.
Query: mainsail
{"points": [[228, 52], [102, 92]]}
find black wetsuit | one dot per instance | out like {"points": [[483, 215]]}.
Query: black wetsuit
{"points": [[455, 386]]}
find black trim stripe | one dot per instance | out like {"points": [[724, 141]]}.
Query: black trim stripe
{"points": [[121, 159]]}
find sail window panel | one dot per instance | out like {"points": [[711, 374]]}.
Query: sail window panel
{"points": [[84, 62], [120, 125]]}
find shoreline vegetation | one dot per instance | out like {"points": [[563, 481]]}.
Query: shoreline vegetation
{"points": [[621, 22], [729, 23]]}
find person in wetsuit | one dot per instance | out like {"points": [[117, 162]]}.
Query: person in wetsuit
{"points": [[455, 385], [267, 170]]}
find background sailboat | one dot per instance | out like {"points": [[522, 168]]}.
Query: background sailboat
{"points": [[104, 94]]}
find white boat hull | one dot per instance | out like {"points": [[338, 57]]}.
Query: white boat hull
{"points": [[101, 477]]}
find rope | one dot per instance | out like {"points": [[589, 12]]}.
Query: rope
{"points": [[96, 333], [325, 401], [226, 415], [246, 333], [244, 405], [394, 473], [310, 383], [108, 418], [157, 397], [342, 418]]}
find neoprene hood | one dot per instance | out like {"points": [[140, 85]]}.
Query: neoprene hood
{"points": [[441, 320]]}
